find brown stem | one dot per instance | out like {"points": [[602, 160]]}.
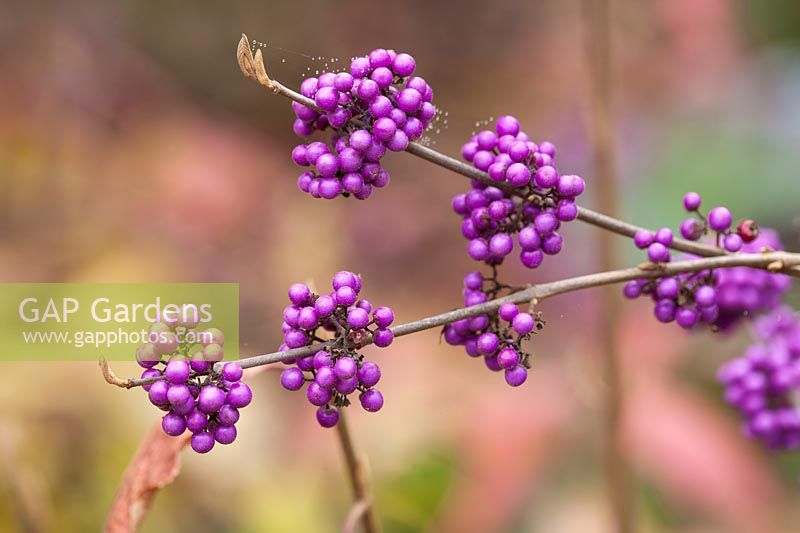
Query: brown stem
{"points": [[255, 64], [598, 60], [358, 473], [532, 293]]}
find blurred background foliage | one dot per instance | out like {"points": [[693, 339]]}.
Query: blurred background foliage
{"points": [[132, 149]]}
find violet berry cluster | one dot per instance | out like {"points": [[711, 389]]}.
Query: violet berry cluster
{"points": [[744, 292], [338, 370], [688, 299], [763, 382], [531, 200], [717, 297], [194, 397], [378, 105], [497, 338]]}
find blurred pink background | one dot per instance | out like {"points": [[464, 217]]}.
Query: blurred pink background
{"points": [[132, 149]]}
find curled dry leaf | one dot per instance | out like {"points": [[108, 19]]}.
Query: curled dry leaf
{"points": [[244, 57], [155, 465]]}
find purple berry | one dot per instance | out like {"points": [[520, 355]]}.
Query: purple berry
{"points": [[202, 442], [516, 376], [225, 434], [211, 398], [691, 201], [383, 337], [371, 400], [369, 374], [327, 417], [720, 219], [523, 323], [292, 379], [232, 371], [173, 425], [177, 371], [239, 395]]}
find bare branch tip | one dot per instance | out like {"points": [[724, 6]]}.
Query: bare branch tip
{"points": [[110, 377]]}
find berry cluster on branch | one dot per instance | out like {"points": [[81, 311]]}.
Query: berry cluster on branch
{"points": [[517, 190], [337, 370], [195, 398]]}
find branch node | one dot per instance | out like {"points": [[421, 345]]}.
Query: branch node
{"points": [[649, 266], [775, 266]]}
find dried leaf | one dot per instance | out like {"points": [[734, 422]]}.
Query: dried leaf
{"points": [[244, 56], [155, 465]]}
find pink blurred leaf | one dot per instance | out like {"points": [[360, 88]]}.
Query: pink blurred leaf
{"points": [[155, 465]]}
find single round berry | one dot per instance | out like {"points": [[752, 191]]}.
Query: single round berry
{"points": [[178, 394], [507, 358], [691, 229], [371, 400], [523, 323], [508, 311], [177, 371], [383, 316], [232, 371], [369, 374], [345, 368], [747, 230], [211, 398], [202, 442], [643, 238], [720, 219], [632, 289], [327, 417], [658, 253], [239, 395], [732, 242], [196, 421], [225, 434], [228, 415], [325, 377], [516, 376], [383, 337], [691, 201], [318, 395], [299, 293], [173, 425], [292, 379]]}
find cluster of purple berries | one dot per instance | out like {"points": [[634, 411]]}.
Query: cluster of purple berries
{"points": [[497, 338], [688, 299], [194, 397], [718, 297], [718, 220], [744, 291], [541, 199], [761, 383], [337, 371], [378, 106]]}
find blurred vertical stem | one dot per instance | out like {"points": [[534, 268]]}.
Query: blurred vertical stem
{"points": [[359, 477], [598, 58]]}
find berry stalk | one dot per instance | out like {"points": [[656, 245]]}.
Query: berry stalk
{"points": [[253, 67], [772, 261]]}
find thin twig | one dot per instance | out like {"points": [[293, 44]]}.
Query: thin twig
{"points": [[358, 473], [533, 292], [356, 512], [249, 63]]}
